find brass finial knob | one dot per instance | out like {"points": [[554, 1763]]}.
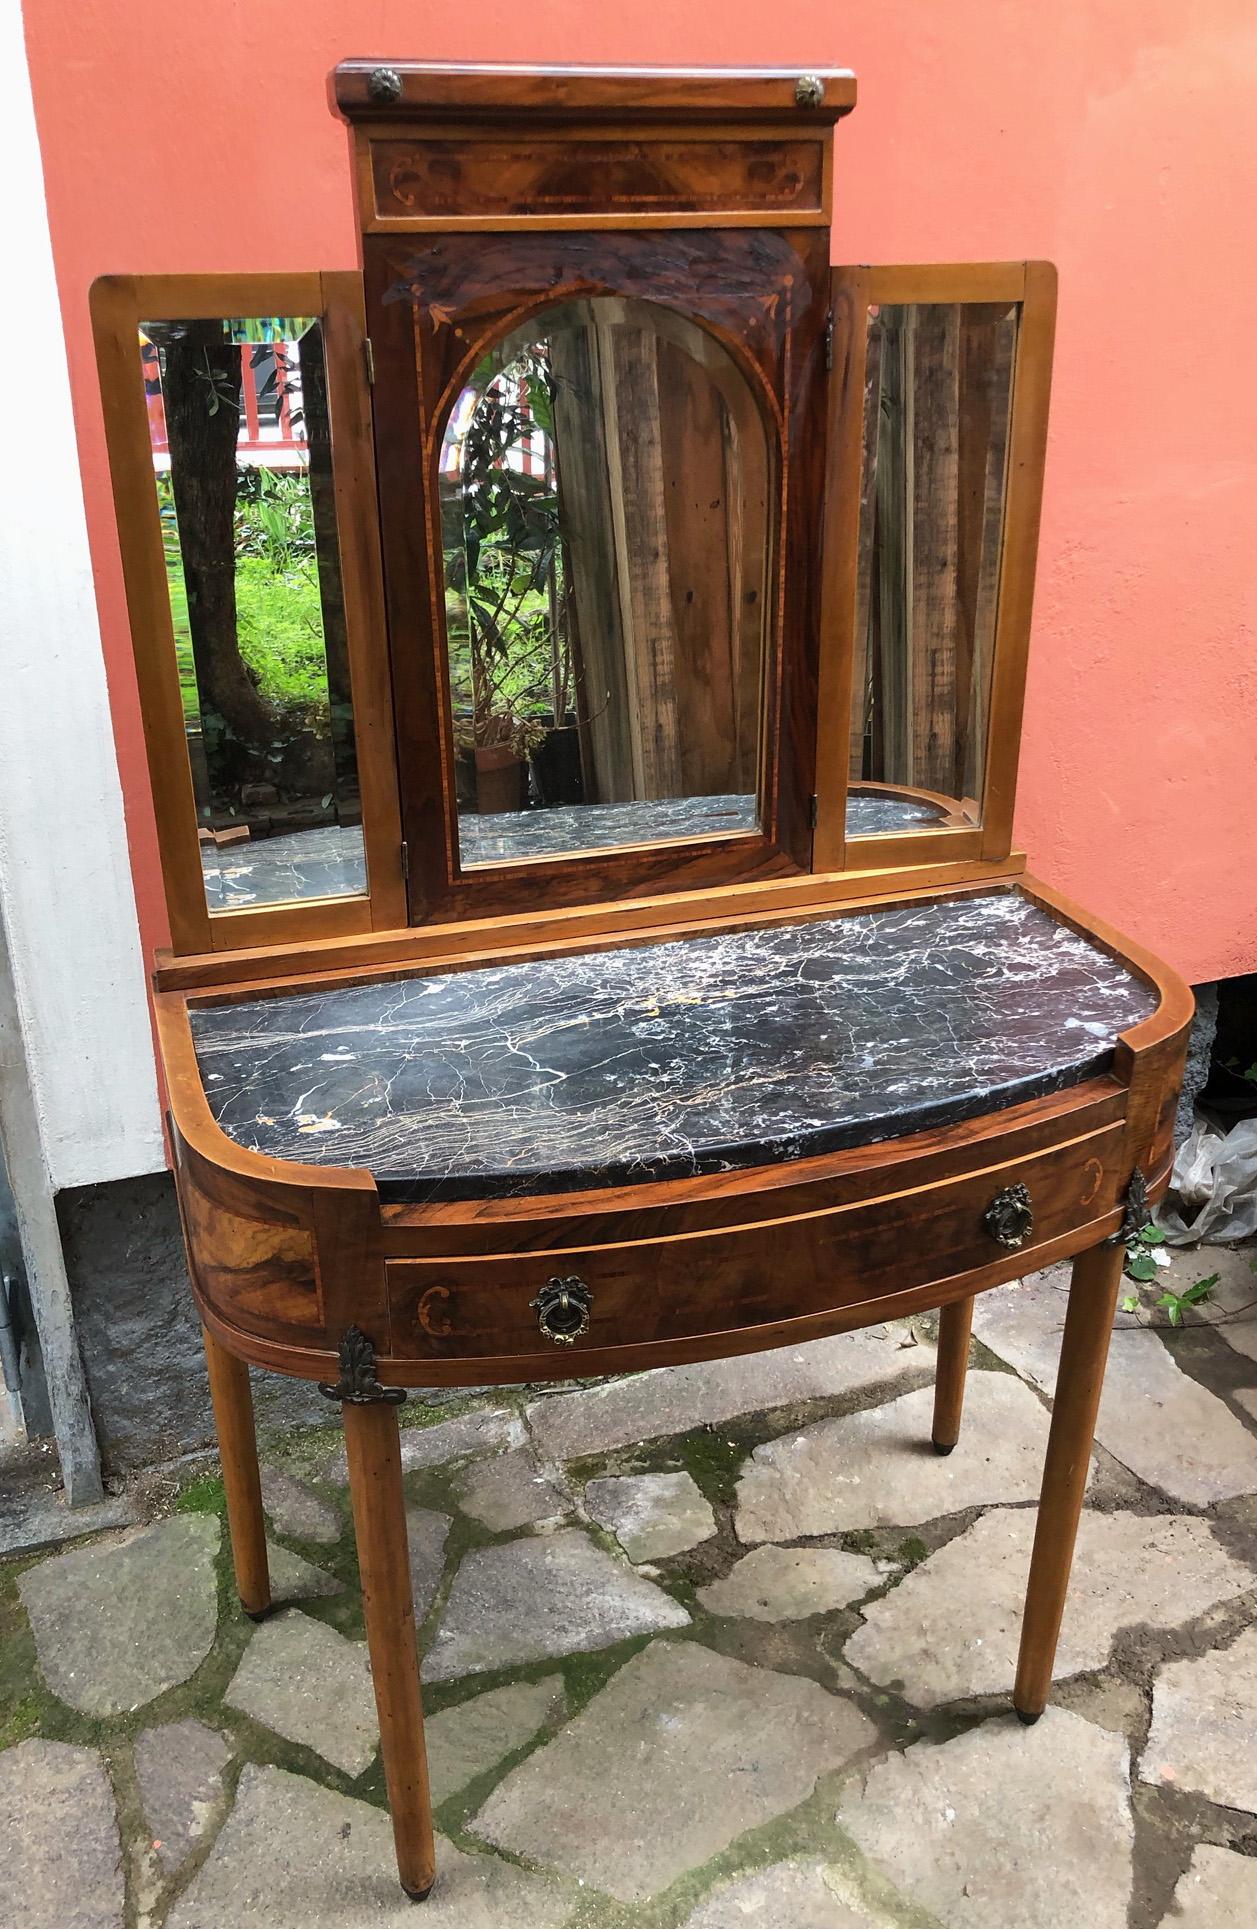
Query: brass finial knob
{"points": [[384, 84], [809, 90]]}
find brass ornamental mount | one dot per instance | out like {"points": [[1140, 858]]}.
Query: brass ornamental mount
{"points": [[809, 90], [1137, 1210], [563, 1307], [1010, 1217], [359, 1382]]}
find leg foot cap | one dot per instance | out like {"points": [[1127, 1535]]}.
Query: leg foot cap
{"points": [[259, 1614], [1027, 1721], [418, 1895], [939, 1447]]}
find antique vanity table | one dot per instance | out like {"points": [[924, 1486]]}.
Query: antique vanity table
{"points": [[582, 661]]}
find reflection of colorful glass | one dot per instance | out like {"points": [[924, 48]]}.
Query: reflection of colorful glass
{"points": [[272, 431]]}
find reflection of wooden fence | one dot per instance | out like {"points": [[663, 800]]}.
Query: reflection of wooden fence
{"points": [[937, 401], [663, 480], [270, 395]]}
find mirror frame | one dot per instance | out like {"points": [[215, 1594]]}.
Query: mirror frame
{"points": [[435, 305], [120, 304], [1031, 286]]}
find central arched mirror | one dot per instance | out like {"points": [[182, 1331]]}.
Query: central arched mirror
{"points": [[605, 481]]}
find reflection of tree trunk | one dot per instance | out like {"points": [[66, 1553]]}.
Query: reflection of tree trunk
{"points": [[201, 388], [318, 431]]}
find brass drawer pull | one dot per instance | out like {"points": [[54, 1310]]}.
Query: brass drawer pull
{"points": [[563, 1307], [1010, 1217]]}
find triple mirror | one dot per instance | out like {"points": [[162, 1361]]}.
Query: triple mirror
{"points": [[606, 510]]}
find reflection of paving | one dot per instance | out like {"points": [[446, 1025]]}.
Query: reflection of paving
{"points": [[641, 1725], [329, 862]]}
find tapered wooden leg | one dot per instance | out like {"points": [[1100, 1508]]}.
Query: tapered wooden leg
{"points": [[238, 1448], [1097, 1277], [954, 1327], [375, 1487]]}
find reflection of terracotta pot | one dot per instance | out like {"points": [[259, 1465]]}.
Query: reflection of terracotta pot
{"points": [[499, 778]]}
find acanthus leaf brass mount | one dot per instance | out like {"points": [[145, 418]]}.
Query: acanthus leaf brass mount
{"points": [[1010, 1217]]}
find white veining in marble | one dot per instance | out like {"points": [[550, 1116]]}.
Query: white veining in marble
{"points": [[666, 1060]]}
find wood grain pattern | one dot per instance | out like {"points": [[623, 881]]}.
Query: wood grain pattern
{"points": [[453, 180]]}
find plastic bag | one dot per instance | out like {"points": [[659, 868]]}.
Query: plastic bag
{"points": [[1212, 1198]]}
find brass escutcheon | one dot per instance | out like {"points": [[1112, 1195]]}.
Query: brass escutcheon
{"points": [[562, 1308], [1010, 1217]]}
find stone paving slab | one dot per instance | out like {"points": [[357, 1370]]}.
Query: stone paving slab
{"points": [[426, 1535], [1204, 1724], [951, 1628], [1217, 1891], [1163, 1425], [117, 1623], [651, 1515], [309, 1684], [510, 1491], [789, 1895], [479, 1430], [1232, 1307], [60, 1856], [465, 1741], [790, 1583], [295, 1509], [876, 1468], [672, 1399], [179, 1768], [681, 1753], [293, 1855], [1004, 1827], [295, 1579], [552, 1594]]}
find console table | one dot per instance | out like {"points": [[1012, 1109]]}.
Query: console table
{"points": [[604, 945]]}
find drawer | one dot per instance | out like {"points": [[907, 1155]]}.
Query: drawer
{"points": [[661, 1290]]}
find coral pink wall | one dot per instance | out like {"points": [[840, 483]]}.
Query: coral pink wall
{"points": [[1114, 138]]}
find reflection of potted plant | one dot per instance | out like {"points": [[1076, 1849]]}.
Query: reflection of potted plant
{"points": [[498, 744], [509, 660]]}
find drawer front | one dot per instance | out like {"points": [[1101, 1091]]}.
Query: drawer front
{"points": [[673, 1289]]}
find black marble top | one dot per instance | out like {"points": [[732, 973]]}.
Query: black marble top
{"points": [[329, 861], [666, 1060]]}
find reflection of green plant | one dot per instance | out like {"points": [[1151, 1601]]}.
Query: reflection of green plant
{"points": [[509, 661]]}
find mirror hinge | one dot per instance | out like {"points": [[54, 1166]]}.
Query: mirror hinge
{"points": [[813, 810], [369, 357], [829, 339], [406, 862]]}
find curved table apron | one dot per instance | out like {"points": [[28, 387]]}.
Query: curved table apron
{"points": [[730, 1140]]}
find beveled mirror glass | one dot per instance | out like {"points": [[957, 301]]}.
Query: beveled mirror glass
{"points": [[604, 482], [938, 401], [241, 445]]}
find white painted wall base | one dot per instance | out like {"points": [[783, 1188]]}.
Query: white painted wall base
{"points": [[65, 880]]}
